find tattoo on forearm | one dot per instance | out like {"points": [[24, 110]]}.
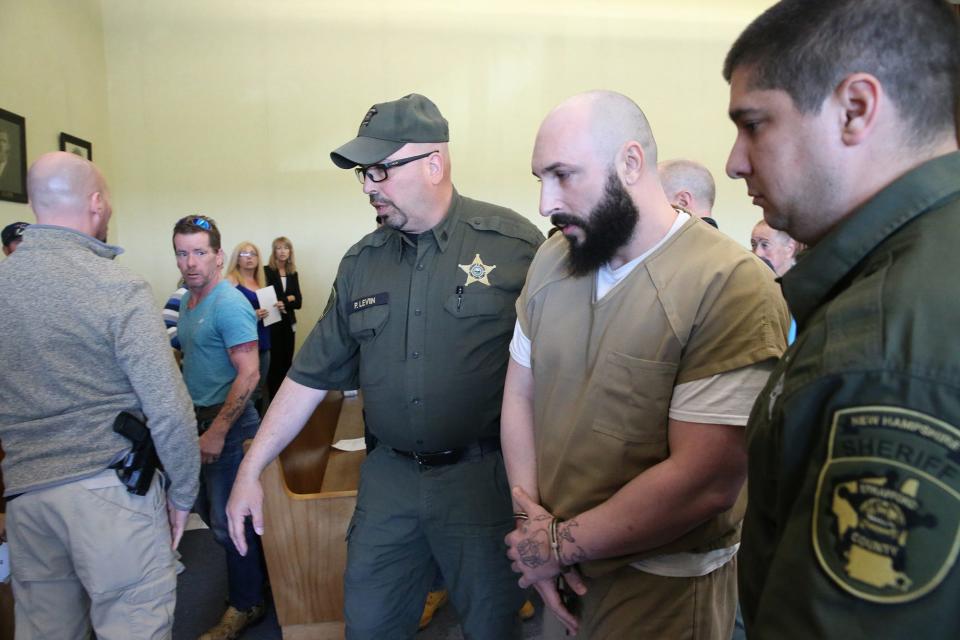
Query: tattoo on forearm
{"points": [[574, 557], [570, 552], [232, 410], [565, 530]]}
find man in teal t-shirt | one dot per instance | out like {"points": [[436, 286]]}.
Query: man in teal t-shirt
{"points": [[218, 337], [218, 322]]}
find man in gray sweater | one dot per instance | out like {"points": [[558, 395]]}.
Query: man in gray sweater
{"points": [[83, 343]]}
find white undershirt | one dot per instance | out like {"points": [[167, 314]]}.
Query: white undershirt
{"points": [[725, 398], [608, 278]]}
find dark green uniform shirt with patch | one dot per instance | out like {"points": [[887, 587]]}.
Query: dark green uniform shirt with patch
{"points": [[854, 449], [423, 326]]}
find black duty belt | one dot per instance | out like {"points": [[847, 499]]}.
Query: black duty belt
{"points": [[452, 456]]}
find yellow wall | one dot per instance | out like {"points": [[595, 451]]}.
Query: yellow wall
{"points": [[231, 107], [53, 73]]}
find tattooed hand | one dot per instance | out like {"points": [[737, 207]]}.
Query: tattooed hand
{"points": [[529, 543], [529, 549], [533, 548]]}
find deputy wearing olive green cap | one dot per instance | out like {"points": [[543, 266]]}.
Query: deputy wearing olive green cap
{"points": [[420, 318], [847, 137]]}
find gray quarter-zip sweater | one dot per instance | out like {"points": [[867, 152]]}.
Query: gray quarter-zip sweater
{"points": [[82, 341]]}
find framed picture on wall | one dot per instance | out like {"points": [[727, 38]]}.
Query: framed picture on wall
{"points": [[78, 146], [13, 157]]}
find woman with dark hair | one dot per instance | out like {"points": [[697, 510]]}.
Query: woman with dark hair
{"points": [[281, 274]]}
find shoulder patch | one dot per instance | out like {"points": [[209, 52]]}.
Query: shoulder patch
{"points": [[886, 520], [331, 303]]}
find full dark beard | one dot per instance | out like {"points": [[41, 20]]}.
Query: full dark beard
{"points": [[609, 227]]}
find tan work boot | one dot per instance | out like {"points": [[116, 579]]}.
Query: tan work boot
{"points": [[234, 621], [435, 600], [527, 611]]}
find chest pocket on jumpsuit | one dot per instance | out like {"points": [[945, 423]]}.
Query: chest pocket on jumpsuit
{"points": [[635, 400], [366, 326]]}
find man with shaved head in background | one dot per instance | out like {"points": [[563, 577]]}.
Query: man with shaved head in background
{"points": [[690, 186], [84, 343], [642, 339]]}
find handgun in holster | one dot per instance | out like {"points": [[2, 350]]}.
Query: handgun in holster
{"points": [[136, 469]]}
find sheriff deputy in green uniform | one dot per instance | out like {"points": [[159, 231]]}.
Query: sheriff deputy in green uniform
{"points": [[846, 137], [420, 319]]}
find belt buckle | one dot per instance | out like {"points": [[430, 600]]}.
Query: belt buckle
{"points": [[435, 458]]}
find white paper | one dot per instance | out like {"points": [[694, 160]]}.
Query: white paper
{"points": [[267, 297], [350, 444]]}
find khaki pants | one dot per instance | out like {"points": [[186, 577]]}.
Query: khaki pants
{"points": [[641, 606], [90, 552]]}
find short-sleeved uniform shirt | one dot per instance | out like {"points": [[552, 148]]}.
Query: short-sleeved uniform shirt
{"points": [[222, 320], [853, 519], [422, 325]]}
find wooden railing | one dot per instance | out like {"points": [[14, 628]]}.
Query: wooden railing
{"points": [[310, 493]]}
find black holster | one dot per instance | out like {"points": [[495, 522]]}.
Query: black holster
{"points": [[136, 469], [206, 416]]}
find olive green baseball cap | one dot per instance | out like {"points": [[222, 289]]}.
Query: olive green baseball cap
{"points": [[388, 126]]}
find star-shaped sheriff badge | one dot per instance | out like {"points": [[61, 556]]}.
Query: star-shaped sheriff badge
{"points": [[477, 271]]}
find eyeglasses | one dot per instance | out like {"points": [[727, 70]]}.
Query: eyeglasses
{"points": [[248, 254], [378, 172]]}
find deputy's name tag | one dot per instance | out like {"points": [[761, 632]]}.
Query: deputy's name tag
{"points": [[374, 300]]}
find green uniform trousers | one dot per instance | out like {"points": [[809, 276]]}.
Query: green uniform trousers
{"points": [[411, 520]]}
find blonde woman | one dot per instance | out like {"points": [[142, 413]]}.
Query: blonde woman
{"points": [[281, 274], [244, 272]]}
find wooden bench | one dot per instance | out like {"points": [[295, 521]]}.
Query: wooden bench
{"points": [[309, 494]]}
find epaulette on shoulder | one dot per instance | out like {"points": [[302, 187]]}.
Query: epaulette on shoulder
{"points": [[506, 222], [376, 238]]}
